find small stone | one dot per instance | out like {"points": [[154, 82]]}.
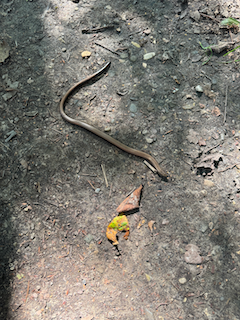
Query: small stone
{"points": [[208, 183], [188, 106], [133, 58], [124, 55], [149, 140], [88, 238], [199, 88], [30, 80], [203, 227], [32, 236], [145, 131], [195, 15], [64, 49], [149, 55], [144, 65], [165, 56], [97, 190], [108, 7], [182, 280], [133, 108], [107, 129]]}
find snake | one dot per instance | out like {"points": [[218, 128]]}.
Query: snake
{"points": [[90, 79]]}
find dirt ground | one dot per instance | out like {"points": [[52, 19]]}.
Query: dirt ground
{"points": [[181, 106]]}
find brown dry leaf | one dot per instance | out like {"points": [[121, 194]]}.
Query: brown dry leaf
{"points": [[192, 254], [141, 223], [216, 111], [201, 142], [150, 225], [131, 202], [111, 235]]}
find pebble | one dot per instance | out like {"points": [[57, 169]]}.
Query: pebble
{"points": [[88, 238], [203, 227], [188, 106], [208, 183], [149, 55], [133, 58], [64, 49], [199, 88], [182, 280], [133, 107], [124, 55], [97, 190], [195, 15], [165, 56], [149, 140]]}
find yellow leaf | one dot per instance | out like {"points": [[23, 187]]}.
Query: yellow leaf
{"points": [[148, 277], [135, 44], [86, 54]]}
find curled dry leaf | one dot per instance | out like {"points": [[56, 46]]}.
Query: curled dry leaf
{"points": [[86, 54], [150, 225], [131, 202], [216, 111], [192, 254], [119, 223]]}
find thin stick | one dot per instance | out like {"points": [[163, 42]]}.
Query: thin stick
{"points": [[107, 106], [230, 167], [96, 30], [206, 16], [104, 174], [100, 45], [91, 184], [27, 292], [225, 109], [149, 166]]}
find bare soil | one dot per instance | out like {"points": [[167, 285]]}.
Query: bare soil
{"points": [[55, 259]]}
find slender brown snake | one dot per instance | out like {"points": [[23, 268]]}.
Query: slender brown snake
{"points": [[99, 133]]}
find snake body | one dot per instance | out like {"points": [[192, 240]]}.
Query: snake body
{"points": [[99, 133]]}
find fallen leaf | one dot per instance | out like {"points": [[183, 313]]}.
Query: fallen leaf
{"points": [[135, 44], [201, 142], [148, 277], [131, 202], [141, 223], [86, 54], [150, 225], [192, 254], [216, 111], [119, 223]]}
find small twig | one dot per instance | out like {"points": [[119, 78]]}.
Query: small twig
{"points": [[107, 106], [162, 304], [104, 174], [100, 45], [209, 149], [225, 109], [229, 167], [150, 166], [206, 16], [110, 191], [91, 184], [96, 30], [27, 292]]}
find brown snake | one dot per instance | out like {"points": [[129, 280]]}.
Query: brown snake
{"points": [[99, 133]]}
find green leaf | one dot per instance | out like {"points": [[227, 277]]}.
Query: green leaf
{"points": [[230, 22]]}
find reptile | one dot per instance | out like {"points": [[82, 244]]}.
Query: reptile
{"points": [[95, 76]]}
